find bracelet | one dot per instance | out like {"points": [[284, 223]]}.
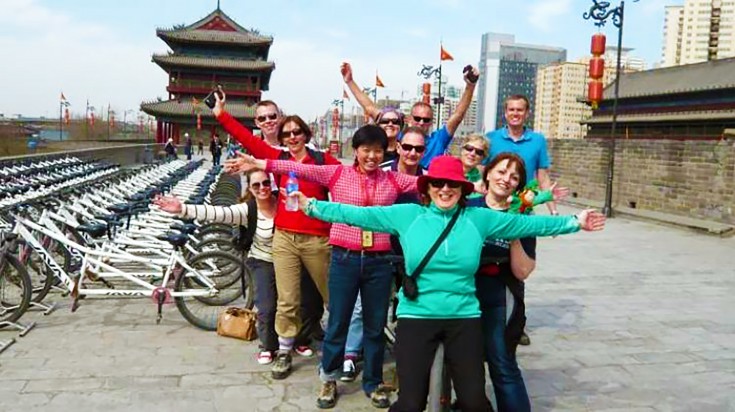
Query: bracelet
{"points": [[554, 213], [310, 206]]}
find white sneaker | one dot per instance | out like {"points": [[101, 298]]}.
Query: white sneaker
{"points": [[265, 357], [304, 351], [349, 371]]}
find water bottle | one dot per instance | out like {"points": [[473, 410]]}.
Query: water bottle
{"points": [[292, 185]]}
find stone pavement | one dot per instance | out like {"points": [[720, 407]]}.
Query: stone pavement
{"points": [[636, 318]]}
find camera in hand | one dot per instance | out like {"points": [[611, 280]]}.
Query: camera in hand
{"points": [[471, 76], [210, 100]]}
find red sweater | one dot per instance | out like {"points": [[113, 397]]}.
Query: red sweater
{"points": [[296, 222]]}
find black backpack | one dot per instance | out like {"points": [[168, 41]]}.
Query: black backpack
{"points": [[243, 237]]}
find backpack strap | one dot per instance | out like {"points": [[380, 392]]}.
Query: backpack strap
{"points": [[430, 253]]}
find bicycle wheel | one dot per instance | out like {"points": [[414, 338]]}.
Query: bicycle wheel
{"points": [[42, 277], [15, 289], [220, 268]]}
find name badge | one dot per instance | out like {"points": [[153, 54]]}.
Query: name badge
{"points": [[367, 239]]}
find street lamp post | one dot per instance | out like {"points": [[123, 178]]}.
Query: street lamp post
{"points": [[426, 72], [600, 12], [341, 104]]}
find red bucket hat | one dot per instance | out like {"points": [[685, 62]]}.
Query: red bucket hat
{"points": [[447, 168]]}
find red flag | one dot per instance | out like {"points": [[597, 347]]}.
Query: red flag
{"points": [[345, 95], [444, 55], [378, 82]]}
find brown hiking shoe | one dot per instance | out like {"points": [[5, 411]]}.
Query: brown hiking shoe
{"points": [[380, 398], [327, 395]]}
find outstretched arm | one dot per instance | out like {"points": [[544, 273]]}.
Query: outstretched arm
{"points": [[464, 102], [510, 226], [367, 104], [235, 214]]}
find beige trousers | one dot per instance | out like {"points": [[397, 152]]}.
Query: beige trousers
{"points": [[290, 251]]}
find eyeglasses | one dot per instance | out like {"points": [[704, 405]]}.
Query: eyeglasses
{"points": [[390, 121], [271, 116], [471, 148], [257, 185], [419, 119], [440, 183], [288, 133], [408, 147]]}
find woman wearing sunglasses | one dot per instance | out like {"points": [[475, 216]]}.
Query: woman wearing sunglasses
{"points": [[260, 256], [390, 119], [445, 308], [473, 151]]}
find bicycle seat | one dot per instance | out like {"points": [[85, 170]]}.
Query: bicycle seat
{"points": [[119, 208], [176, 239], [136, 197], [187, 228], [94, 229]]}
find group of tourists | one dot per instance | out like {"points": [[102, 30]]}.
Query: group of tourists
{"points": [[465, 246]]}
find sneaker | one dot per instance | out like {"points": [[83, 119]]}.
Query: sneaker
{"points": [[380, 398], [304, 351], [524, 340], [327, 395], [282, 368], [349, 371], [265, 357]]}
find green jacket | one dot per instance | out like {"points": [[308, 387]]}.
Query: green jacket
{"points": [[447, 283]]}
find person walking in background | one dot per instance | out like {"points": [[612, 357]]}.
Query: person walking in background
{"points": [[170, 149], [215, 147], [200, 147], [188, 146]]}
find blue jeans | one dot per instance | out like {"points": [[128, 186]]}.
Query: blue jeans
{"points": [[353, 347], [371, 275], [496, 303]]}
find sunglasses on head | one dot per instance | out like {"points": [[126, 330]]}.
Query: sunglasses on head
{"points": [[390, 121], [272, 116], [408, 147], [419, 119], [288, 133], [440, 183], [477, 151], [257, 185]]}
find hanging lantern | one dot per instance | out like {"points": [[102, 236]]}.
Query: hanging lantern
{"points": [[597, 68], [91, 119], [67, 117], [594, 93], [112, 121], [597, 48], [426, 90], [199, 121]]}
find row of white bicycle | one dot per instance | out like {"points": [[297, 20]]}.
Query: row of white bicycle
{"points": [[101, 237]]}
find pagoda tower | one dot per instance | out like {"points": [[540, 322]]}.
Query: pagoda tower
{"points": [[213, 51]]}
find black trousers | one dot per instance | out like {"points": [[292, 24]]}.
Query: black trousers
{"points": [[416, 343], [312, 310]]}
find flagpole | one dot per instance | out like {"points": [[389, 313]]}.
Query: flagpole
{"points": [[61, 122], [439, 98]]}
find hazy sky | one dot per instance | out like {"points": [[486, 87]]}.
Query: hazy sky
{"points": [[101, 50]]}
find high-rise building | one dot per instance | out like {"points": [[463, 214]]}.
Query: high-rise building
{"points": [[508, 68], [699, 31]]}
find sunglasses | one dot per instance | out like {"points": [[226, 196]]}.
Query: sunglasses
{"points": [[257, 185], [390, 121], [272, 116], [288, 133], [408, 147], [419, 119], [477, 151], [440, 183]]}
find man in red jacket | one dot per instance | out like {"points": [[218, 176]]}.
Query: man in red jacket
{"points": [[298, 239]]}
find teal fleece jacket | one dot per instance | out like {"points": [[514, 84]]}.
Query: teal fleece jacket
{"points": [[447, 283]]}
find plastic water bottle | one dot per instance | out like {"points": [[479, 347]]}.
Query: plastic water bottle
{"points": [[292, 185]]}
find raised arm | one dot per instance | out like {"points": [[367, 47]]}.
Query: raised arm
{"points": [[320, 174], [470, 79], [242, 134], [367, 104]]}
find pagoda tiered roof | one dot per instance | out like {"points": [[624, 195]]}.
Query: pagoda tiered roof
{"points": [[216, 27], [166, 60], [187, 108]]}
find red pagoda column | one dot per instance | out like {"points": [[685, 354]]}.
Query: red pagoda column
{"points": [[159, 131]]}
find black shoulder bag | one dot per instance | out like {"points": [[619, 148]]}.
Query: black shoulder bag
{"points": [[410, 287]]}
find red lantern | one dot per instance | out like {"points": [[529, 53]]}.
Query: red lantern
{"points": [[67, 117], [594, 92], [426, 89], [597, 68], [597, 48], [91, 119], [199, 121]]}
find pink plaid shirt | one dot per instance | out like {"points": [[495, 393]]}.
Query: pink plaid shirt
{"points": [[347, 184]]}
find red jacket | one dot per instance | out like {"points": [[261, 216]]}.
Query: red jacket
{"points": [[296, 222]]}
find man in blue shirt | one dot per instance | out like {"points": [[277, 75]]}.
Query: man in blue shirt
{"points": [[422, 115], [529, 145]]}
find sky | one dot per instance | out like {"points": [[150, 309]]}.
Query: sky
{"points": [[100, 50]]}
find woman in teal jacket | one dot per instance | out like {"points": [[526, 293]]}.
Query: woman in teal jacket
{"points": [[446, 309]]}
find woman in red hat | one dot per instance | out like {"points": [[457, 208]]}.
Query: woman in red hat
{"points": [[444, 309]]}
